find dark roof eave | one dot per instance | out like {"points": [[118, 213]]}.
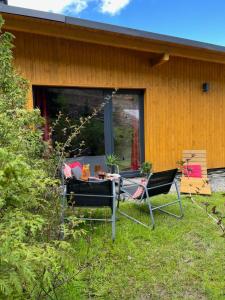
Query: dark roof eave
{"points": [[108, 28]]}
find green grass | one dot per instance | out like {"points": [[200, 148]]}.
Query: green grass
{"points": [[180, 259]]}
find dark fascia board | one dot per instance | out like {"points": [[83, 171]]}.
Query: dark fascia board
{"points": [[31, 13], [109, 28], [143, 34]]}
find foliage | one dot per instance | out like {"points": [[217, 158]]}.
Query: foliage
{"points": [[216, 215], [112, 159], [146, 168], [33, 259]]}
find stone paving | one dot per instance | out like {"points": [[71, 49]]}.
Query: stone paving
{"points": [[217, 180]]}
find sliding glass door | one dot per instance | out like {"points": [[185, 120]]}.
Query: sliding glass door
{"points": [[127, 117], [116, 128]]}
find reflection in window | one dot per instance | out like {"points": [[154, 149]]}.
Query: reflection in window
{"points": [[73, 104], [126, 130]]}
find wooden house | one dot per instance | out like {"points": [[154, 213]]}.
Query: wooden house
{"points": [[170, 91]]}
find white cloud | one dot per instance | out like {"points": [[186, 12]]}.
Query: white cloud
{"points": [[113, 6], [51, 5], [76, 6]]}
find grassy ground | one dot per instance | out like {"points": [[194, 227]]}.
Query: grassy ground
{"points": [[180, 259]]}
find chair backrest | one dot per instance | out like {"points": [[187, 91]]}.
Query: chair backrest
{"points": [[92, 161], [160, 182], [90, 193]]}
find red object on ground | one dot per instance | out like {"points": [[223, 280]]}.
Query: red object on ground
{"points": [[194, 171]]}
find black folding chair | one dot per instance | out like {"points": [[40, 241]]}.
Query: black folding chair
{"points": [[92, 194], [157, 184]]}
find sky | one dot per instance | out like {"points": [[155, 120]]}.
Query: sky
{"points": [[201, 20]]}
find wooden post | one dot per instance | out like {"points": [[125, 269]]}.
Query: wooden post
{"points": [[160, 60]]}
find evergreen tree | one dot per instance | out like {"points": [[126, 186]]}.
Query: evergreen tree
{"points": [[33, 259]]}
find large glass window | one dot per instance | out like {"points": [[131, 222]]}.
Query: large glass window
{"points": [[73, 104], [117, 128]]}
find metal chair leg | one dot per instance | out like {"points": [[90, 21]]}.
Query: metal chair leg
{"points": [[151, 213], [114, 215], [160, 208], [179, 199], [113, 227], [118, 201]]}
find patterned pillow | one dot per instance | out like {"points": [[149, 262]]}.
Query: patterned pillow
{"points": [[137, 194]]}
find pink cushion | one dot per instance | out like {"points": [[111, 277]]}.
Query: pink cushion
{"points": [[67, 171], [192, 171], [75, 164]]}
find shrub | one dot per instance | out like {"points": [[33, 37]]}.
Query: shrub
{"points": [[33, 259]]}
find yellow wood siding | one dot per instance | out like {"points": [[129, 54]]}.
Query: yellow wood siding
{"points": [[178, 115], [104, 37]]}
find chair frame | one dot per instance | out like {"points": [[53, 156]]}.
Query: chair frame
{"points": [[113, 216], [147, 199]]}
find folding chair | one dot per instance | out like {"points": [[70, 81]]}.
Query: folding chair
{"points": [[157, 184], [92, 194]]}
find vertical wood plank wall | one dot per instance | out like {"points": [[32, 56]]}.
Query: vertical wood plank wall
{"points": [[178, 115]]}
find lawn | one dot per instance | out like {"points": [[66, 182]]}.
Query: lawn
{"points": [[180, 259]]}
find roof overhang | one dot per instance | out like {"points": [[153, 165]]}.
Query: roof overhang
{"points": [[50, 24]]}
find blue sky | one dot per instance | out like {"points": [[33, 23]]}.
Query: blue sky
{"points": [[202, 20]]}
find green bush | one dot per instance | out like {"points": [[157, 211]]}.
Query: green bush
{"points": [[34, 262]]}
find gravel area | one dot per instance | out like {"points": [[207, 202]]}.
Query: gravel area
{"points": [[217, 180]]}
